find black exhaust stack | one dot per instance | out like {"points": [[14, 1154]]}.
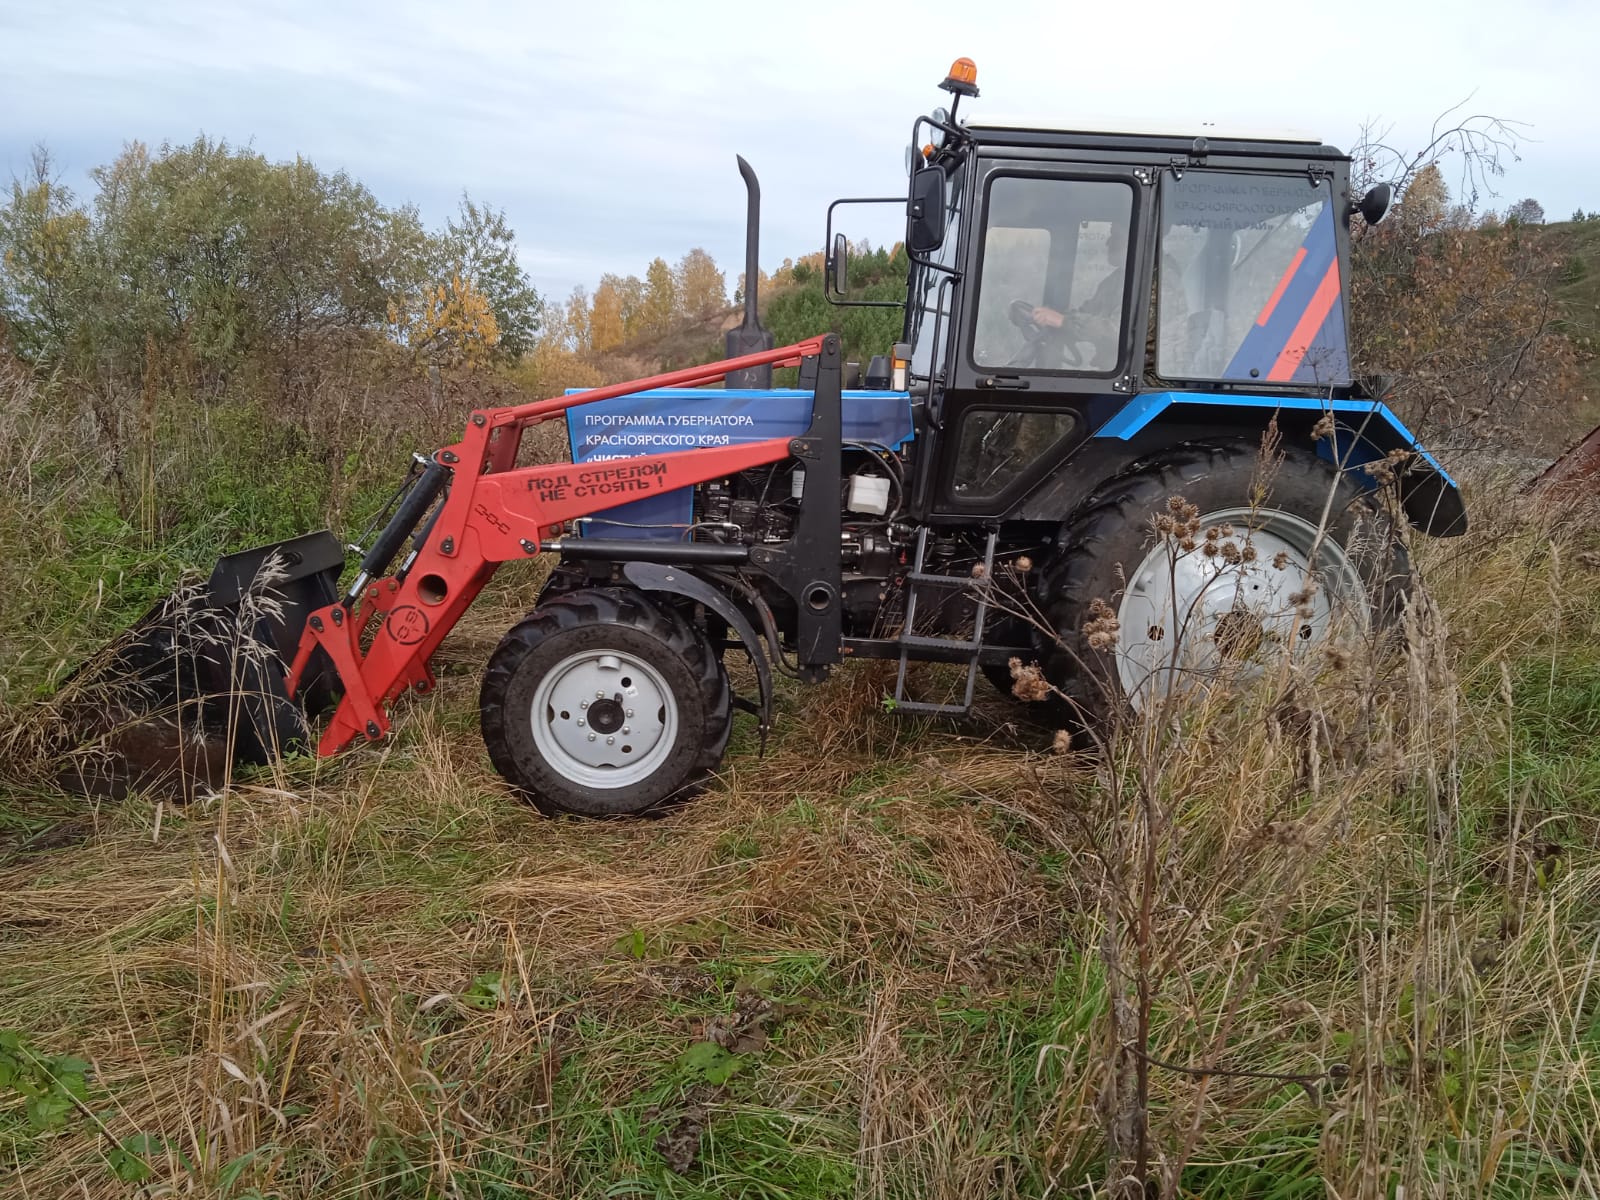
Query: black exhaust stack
{"points": [[750, 338]]}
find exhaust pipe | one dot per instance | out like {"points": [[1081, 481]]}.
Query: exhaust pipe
{"points": [[750, 338]]}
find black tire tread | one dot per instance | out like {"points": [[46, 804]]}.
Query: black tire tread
{"points": [[584, 608]]}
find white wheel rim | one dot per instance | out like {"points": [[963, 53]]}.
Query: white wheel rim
{"points": [[1234, 618], [604, 719]]}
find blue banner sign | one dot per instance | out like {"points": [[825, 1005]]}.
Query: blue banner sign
{"points": [[674, 419]]}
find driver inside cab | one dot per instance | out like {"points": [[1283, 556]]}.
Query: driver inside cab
{"points": [[1089, 333]]}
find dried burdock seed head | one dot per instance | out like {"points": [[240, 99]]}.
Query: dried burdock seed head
{"points": [[1024, 563], [1175, 504], [1386, 469], [1062, 743], [1301, 600], [979, 570], [1230, 552], [1280, 560], [1028, 683], [1102, 628], [1323, 428]]}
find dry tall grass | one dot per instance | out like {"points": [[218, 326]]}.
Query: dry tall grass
{"points": [[1351, 936]]}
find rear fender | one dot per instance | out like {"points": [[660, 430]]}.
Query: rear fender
{"points": [[1366, 432]]}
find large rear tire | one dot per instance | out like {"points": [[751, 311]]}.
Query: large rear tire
{"points": [[603, 704], [1139, 619]]}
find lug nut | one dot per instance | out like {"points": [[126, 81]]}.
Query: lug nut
{"points": [[600, 695], [580, 720], [630, 712], [611, 741], [585, 704], [591, 737]]}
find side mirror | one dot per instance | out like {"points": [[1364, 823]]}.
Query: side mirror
{"points": [[1375, 203], [925, 211], [839, 264]]}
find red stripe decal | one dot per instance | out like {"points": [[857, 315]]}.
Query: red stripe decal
{"points": [[1283, 286], [1316, 313]]}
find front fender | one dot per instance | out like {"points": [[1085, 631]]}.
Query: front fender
{"points": [[1366, 431], [656, 577]]}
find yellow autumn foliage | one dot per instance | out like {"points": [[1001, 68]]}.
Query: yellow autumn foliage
{"points": [[449, 324]]}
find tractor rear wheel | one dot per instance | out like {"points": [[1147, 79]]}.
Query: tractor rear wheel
{"points": [[1142, 618], [602, 704]]}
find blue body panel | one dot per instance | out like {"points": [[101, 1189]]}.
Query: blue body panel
{"points": [[672, 419], [1358, 441]]}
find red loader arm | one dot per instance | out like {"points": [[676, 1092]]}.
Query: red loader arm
{"points": [[495, 512]]}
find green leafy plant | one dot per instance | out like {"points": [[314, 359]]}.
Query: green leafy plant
{"points": [[707, 1062], [486, 992], [129, 1159], [634, 944], [52, 1086]]}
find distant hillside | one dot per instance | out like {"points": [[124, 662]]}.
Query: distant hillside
{"points": [[1578, 291]]}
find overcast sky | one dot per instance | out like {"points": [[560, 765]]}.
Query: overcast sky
{"points": [[607, 130]]}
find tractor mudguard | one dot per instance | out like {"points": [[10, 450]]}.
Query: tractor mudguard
{"points": [[654, 577], [1366, 431]]}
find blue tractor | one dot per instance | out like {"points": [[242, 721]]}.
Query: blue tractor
{"points": [[1117, 457], [1061, 465]]}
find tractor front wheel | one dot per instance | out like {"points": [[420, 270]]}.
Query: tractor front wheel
{"points": [[601, 703]]}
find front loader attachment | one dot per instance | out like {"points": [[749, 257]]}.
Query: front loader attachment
{"points": [[199, 683], [233, 671]]}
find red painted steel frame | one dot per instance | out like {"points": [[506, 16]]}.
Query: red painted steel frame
{"points": [[496, 512]]}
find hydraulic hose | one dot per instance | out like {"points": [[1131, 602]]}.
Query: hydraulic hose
{"points": [[418, 500]]}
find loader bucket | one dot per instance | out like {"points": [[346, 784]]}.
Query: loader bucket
{"points": [[198, 683]]}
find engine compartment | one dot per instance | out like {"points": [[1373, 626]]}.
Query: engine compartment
{"points": [[664, 420], [760, 507]]}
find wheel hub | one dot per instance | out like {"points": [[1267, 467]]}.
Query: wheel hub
{"points": [[1234, 604], [604, 718], [1239, 633]]}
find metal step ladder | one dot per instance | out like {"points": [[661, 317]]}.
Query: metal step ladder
{"points": [[956, 649]]}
